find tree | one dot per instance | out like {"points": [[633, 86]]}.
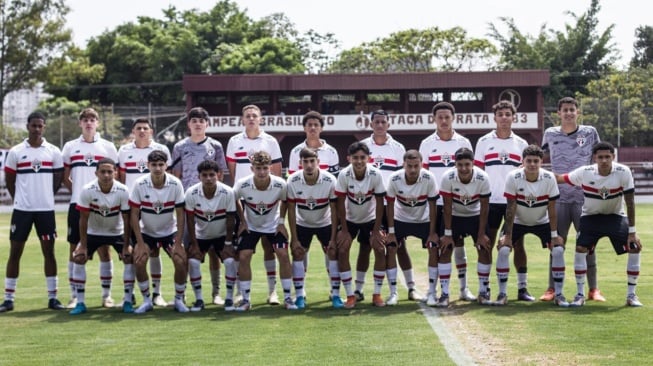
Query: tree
{"points": [[263, 56], [69, 71], [32, 34], [574, 57], [620, 106], [415, 50], [643, 47]]}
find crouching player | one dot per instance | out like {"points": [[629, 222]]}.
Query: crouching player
{"points": [[311, 210], [104, 221], [262, 214], [210, 211], [466, 193], [411, 194], [158, 199], [531, 193]]}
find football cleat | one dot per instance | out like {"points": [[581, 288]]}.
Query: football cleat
{"points": [[483, 298], [229, 305], [180, 306], [359, 296], [579, 300], [392, 300], [466, 295], [336, 302], [107, 302], [127, 307], [300, 301], [159, 301], [633, 300], [502, 300], [144, 308], [197, 306], [7, 305], [443, 301], [596, 295], [377, 300], [431, 300], [351, 302], [561, 301], [80, 308], [217, 300], [55, 304], [414, 295], [548, 295], [244, 306], [523, 295], [72, 303], [289, 304], [273, 298]]}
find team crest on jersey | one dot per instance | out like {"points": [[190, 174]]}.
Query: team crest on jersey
{"points": [[261, 207], [157, 207], [359, 197], [36, 165], [580, 140], [141, 166], [311, 203], [530, 200], [411, 201], [210, 152], [103, 210], [446, 159], [503, 157], [465, 199], [378, 162], [604, 192], [88, 159], [209, 215]]}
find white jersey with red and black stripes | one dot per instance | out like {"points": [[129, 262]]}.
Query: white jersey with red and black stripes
{"points": [[261, 206], [466, 196], [388, 158], [240, 147], [82, 157], [327, 154], [532, 197], [411, 200], [104, 208], [312, 200], [132, 160], [157, 205], [499, 157], [439, 155], [210, 213], [603, 194], [34, 168], [360, 204]]}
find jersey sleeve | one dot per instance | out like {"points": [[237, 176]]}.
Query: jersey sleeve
{"points": [[575, 177], [219, 156], [379, 187], [341, 185], [424, 151], [479, 154], [275, 152], [84, 201], [134, 197], [390, 191], [66, 154], [57, 159], [189, 202], [11, 164], [231, 201], [124, 201], [510, 191], [554, 191], [177, 163], [293, 161]]}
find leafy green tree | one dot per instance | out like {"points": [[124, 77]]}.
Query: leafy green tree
{"points": [[265, 55], [73, 68], [575, 56], [620, 106], [643, 47], [32, 34], [416, 50]]}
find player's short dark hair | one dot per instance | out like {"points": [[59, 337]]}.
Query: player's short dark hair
{"points": [[36, 115], [141, 120], [198, 112], [603, 145], [533, 150], [504, 104], [567, 100], [464, 153], [312, 115], [208, 165], [157, 155], [105, 161], [307, 153], [412, 154], [260, 158], [443, 105], [356, 147], [88, 113], [378, 112]]}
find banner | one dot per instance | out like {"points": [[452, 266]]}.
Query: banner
{"points": [[360, 122]]}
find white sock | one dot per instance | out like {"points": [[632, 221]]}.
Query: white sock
{"points": [[345, 277], [230, 274], [360, 280], [379, 276], [392, 279], [79, 280], [558, 268], [633, 272], [145, 291], [156, 271], [180, 289], [408, 276], [298, 273], [106, 277], [10, 288], [580, 269], [128, 280], [215, 281], [503, 268], [271, 269], [286, 284], [334, 276], [444, 272], [483, 271], [52, 284], [460, 258], [73, 293], [195, 274], [433, 279]]}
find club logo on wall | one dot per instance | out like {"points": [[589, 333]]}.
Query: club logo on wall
{"points": [[512, 96]]}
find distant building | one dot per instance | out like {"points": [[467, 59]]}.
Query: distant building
{"points": [[18, 104]]}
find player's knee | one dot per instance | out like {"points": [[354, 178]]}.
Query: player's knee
{"points": [[581, 249], [504, 251], [558, 251]]}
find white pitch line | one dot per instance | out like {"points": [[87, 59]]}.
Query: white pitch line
{"points": [[454, 349]]}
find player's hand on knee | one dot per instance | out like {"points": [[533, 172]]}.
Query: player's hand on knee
{"points": [[179, 254], [483, 243], [141, 254], [297, 249], [505, 241], [80, 255], [634, 245]]}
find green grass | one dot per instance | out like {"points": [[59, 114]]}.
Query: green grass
{"points": [[520, 333]]}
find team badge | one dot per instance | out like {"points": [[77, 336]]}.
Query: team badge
{"points": [[604, 192], [465, 199], [359, 197], [411, 201], [311, 203], [261, 207], [503, 156], [103, 210], [36, 165], [446, 159], [210, 152], [88, 159], [158, 207], [580, 140], [378, 162], [530, 200], [209, 215], [141, 166]]}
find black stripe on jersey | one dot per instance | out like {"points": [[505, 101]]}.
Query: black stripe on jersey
{"points": [[367, 199], [174, 163], [537, 204], [214, 218], [498, 162], [83, 163], [389, 167], [136, 171], [110, 214], [316, 207], [42, 170], [598, 197], [417, 204], [152, 212]]}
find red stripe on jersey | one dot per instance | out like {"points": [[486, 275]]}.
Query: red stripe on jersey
{"points": [[241, 154], [28, 164], [82, 158], [594, 190], [317, 200]]}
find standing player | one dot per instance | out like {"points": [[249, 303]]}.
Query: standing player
{"points": [[210, 211], [132, 162], [604, 183], [186, 155], [104, 221], [411, 195], [531, 193], [466, 192], [157, 218], [386, 154], [499, 152], [240, 147], [80, 157], [569, 146], [360, 209], [311, 211], [262, 215], [32, 167], [438, 154]]}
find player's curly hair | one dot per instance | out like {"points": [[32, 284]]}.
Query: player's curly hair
{"points": [[260, 158]]}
